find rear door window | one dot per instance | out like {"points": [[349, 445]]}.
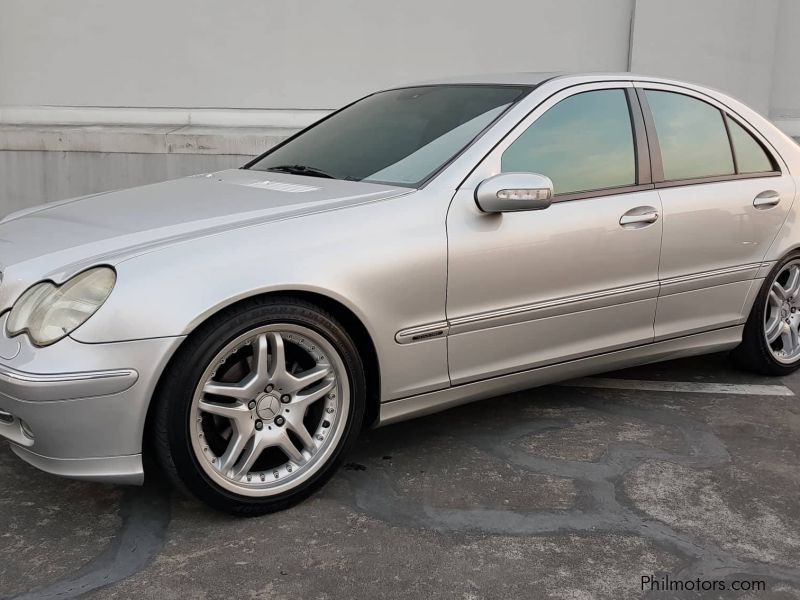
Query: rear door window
{"points": [[692, 136]]}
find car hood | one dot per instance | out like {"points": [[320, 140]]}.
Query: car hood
{"points": [[57, 240]]}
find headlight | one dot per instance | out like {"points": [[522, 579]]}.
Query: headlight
{"points": [[49, 313]]}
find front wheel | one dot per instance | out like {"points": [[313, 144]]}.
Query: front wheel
{"points": [[771, 341], [260, 405]]}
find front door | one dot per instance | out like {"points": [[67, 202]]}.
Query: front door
{"points": [[528, 289]]}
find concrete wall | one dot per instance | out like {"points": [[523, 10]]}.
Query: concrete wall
{"points": [[286, 53], [785, 102], [728, 44], [30, 178], [98, 95]]}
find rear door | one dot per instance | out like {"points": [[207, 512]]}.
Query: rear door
{"points": [[725, 196]]}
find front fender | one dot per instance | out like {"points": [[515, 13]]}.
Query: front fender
{"points": [[385, 261]]}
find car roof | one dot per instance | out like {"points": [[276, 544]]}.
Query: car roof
{"points": [[537, 78], [494, 78]]}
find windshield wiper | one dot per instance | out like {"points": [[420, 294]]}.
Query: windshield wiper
{"points": [[301, 170]]}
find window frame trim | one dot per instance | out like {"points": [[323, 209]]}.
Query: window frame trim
{"points": [[657, 165]]}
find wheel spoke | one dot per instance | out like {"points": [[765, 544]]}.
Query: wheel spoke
{"points": [[773, 329], [236, 445], [252, 451], [794, 338], [789, 338], [792, 286], [229, 411], [260, 368], [305, 399], [277, 367], [229, 390], [307, 378], [779, 291], [774, 298], [299, 429], [291, 451]]}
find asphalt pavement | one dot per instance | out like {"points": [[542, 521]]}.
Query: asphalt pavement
{"points": [[684, 471]]}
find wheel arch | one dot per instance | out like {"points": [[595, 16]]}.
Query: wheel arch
{"points": [[347, 317]]}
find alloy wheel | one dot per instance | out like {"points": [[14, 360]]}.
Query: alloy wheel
{"points": [[782, 314], [269, 410]]}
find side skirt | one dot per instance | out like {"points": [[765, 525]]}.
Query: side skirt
{"points": [[424, 404]]}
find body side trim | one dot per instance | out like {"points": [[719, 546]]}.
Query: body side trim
{"points": [[422, 333], [432, 402], [64, 386], [556, 307], [583, 302], [706, 279]]}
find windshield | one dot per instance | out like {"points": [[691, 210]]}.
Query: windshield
{"points": [[399, 137]]}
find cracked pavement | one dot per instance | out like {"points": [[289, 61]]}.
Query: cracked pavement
{"points": [[556, 492]]}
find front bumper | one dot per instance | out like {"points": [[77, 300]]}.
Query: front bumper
{"points": [[79, 410]]}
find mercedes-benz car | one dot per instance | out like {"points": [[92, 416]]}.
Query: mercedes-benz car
{"points": [[422, 247]]}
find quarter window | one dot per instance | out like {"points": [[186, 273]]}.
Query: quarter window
{"points": [[583, 143], [750, 155], [692, 136]]}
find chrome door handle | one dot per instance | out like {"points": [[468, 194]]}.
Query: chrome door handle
{"points": [[640, 216], [767, 199]]}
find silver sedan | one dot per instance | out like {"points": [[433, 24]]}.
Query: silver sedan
{"points": [[424, 246]]}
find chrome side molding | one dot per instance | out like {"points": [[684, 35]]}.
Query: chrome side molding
{"points": [[423, 333]]}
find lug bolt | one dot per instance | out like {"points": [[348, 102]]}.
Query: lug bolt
{"points": [[319, 437], [329, 410], [331, 395], [249, 477], [251, 405], [279, 420], [259, 425], [276, 474], [263, 477], [269, 388], [285, 398]]}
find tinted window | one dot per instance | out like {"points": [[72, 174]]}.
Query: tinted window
{"points": [[692, 136], [583, 143], [750, 156], [399, 137]]}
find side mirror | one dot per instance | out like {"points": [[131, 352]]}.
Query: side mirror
{"points": [[512, 192]]}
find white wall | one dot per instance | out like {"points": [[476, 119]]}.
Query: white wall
{"points": [[726, 44], [317, 54], [786, 84], [286, 53], [99, 94]]}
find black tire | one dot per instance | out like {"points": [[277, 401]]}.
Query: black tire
{"points": [[754, 354], [169, 425]]}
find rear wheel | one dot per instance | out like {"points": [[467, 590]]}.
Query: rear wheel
{"points": [[771, 340], [260, 405]]}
